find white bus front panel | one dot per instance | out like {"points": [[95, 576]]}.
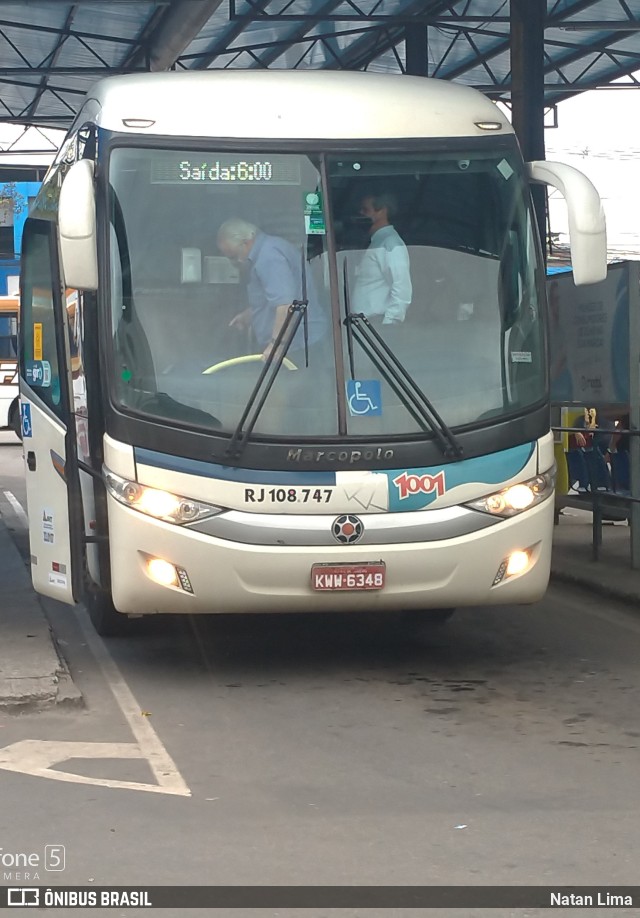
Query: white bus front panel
{"points": [[224, 576]]}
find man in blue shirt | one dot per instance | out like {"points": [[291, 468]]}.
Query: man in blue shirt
{"points": [[383, 282], [274, 282]]}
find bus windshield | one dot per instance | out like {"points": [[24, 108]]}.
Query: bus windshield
{"points": [[426, 257]]}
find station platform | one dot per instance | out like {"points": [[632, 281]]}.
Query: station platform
{"points": [[572, 557], [33, 674]]}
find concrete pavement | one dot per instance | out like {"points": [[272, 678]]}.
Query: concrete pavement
{"points": [[33, 674]]}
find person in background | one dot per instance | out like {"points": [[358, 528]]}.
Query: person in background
{"points": [[383, 290], [576, 455], [619, 458], [579, 440], [588, 454]]}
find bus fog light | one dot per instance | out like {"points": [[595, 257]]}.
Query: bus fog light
{"points": [[517, 563], [162, 572], [167, 574]]}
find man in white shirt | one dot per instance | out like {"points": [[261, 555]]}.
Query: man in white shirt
{"points": [[383, 282]]}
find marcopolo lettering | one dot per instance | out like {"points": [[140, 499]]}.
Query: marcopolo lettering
{"points": [[351, 456]]}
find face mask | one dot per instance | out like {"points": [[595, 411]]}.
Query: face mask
{"points": [[360, 220]]}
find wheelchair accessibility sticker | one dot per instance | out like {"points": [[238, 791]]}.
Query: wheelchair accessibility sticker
{"points": [[27, 430], [364, 397]]}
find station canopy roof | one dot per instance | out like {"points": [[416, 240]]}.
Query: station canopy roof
{"points": [[52, 51]]}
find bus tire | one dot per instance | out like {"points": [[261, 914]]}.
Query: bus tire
{"points": [[15, 422], [427, 617], [105, 618]]}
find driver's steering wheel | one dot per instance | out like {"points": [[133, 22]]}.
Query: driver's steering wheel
{"points": [[247, 358]]}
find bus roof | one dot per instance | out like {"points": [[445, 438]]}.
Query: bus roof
{"points": [[285, 104]]}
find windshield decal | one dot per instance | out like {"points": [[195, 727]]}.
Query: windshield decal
{"points": [[364, 397], [38, 373], [314, 224], [504, 169]]}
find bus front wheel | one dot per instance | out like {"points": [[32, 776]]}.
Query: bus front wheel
{"points": [[105, 618]]}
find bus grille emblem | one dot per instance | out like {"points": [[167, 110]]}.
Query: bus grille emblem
{"points": [[347, 529]]}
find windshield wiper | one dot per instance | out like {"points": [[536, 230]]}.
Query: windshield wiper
{"points": [[296, 314], [255, 403], [420, 408], [403, 384], [347, 316]]}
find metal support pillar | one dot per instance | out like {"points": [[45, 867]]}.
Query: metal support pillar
{"points": [[634, 408], [527, 90], [416, 49]]}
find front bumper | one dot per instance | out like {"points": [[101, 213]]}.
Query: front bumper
{"points": [[231, 577]]}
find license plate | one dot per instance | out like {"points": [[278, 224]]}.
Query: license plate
{"points": [[348, 576]]}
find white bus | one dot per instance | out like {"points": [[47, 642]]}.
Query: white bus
{"points": [[268, 434], [9, 391]]}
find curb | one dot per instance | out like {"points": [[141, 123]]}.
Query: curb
{"points": [[611, 591], [22, 694], [33, 674]]}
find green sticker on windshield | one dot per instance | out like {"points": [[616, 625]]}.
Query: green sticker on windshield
{"points": [[314, 214]]}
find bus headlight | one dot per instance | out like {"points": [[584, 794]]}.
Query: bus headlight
{"points": [[513, 500], [162, 505]]}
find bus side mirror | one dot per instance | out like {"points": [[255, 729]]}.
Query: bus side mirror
{"points": [[587, 229], [77, 227]]}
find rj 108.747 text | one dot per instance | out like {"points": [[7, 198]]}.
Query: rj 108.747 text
{"points": [[288, 495]]}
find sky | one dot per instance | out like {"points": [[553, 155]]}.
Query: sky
{"points": [[598, 133]]}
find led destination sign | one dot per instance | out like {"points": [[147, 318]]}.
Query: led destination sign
{"points": [[251, 169]]}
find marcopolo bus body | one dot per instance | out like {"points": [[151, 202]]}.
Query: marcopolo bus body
{"points": [[218, 414]]}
